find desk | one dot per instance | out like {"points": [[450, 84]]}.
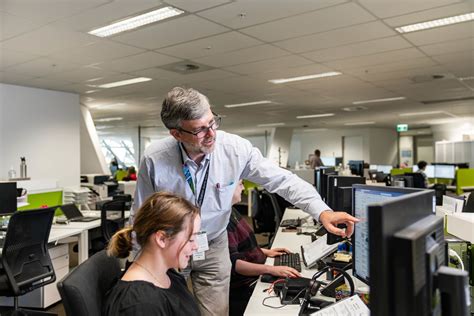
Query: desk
{"points": [[293, 243], [81, 231]]}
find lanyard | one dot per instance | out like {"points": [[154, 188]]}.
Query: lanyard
{"points": [[189, 180]]}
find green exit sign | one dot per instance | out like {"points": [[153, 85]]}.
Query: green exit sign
{"points": [[402, 127]]}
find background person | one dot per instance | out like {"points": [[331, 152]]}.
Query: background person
{"points": [[316, 160], [421, 169], [203, 165], [165, 228]]}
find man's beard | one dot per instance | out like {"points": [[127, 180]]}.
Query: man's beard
{"points": [[200, 149]]}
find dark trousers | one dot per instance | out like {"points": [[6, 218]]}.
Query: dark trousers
{"points": [[238, 299]]}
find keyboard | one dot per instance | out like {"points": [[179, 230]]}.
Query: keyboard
{"points": [[290, 260]]}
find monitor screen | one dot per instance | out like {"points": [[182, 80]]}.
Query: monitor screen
{"points": [[362, 197], [8, 202], [357, 167], [445, 171], [329, 161], [429, 171], [373, 167], [384, 168]]}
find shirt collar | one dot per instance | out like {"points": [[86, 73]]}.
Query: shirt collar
{"points": [[186, 158]]}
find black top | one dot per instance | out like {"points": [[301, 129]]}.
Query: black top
{"points": [[144, 298]]}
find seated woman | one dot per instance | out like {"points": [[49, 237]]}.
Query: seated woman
{"points": [[248, 259], [165, 228]]}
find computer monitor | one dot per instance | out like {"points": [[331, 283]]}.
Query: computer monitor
{"points": [[323, 190], [402, 181], [317, 176], [362, 197], [8, 204], [445, 171], [329, 161], [335, 182], [384, 168], [339, 161], [407, 261], [429, 171], [357, 167]]}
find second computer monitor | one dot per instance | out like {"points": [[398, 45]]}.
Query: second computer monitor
{"points": [[335, 182], [357, 167], [362, 197]]}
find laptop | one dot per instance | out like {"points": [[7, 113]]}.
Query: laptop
{"points": [[73, 214]]}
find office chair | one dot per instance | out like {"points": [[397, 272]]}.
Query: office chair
{"points": [[440, 190], [83, 290], [267, 215], [418, 180], [112, 218], [469, 206], [26, 264]]}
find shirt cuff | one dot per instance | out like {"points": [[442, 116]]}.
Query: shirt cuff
{"points": [[315, 209]]}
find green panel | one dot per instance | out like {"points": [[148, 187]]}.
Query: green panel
{"points": [[46, 199], [248, 185], [464, 178], [120, 174]]}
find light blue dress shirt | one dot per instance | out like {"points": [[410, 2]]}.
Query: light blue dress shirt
{"points": [[233, 158]]}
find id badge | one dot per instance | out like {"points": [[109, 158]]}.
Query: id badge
{"points": [[197, 256], [201, 239]]}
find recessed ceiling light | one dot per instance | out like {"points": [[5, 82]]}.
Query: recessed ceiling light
{"points": [[270, 124], [109, 119], [378, 100], [467, 78], [90, 91], [136, 21], [315, 115], [436, 23], [420, 113], [315, 130], [246, 104], [122, 83], [359, 123], [315, 76]]}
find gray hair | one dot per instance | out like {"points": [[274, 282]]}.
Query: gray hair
{"points": [[183, 104]]}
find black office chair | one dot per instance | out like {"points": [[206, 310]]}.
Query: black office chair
{"points": [[83, 290], [26, 264], [112, 218], [266, 214], [440, 190]]}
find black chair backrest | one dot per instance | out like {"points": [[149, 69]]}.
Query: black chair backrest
{"points": [[469, 206], [267, 218], [83, 291], [112, 218], [440, 190], [25, 255], [418, 180]]}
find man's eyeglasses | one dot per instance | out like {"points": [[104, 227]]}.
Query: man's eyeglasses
{"points": [[202, 132]]}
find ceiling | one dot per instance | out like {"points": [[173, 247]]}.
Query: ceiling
{"points": [[239, 46]]}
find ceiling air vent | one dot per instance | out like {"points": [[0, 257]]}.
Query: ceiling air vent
{"points": [[185, 67]]}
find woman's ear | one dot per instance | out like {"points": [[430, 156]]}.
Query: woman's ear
{"points": [[161, 239]]}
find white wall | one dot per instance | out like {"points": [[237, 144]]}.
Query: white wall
{"points": [[454, 131], [382, 145], [279, 146], [43, 126]]}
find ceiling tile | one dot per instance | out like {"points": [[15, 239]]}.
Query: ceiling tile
{"points": [[12, 26], [82, 74], [193, 6], [388, 8], [375, 59], [211, 45], [270, 65], [97, 52], [343, 36], [138, 62], [9, 57], [359, 49], [184, 29], [465, 44], [256, 12], [42, 67], [308, 23], [246, 55], [46, 40]]}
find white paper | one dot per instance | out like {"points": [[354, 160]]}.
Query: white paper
{"points": [[317, 249], [352, 306]]}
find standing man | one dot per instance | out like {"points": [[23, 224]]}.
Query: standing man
{"points": [[316, 160], [204, 166]]}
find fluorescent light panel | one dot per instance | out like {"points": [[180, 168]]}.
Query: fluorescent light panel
{"points": [[359, 123], [136, 21], [378, 100], [315, 76], [246, 104], [436, 23], [109, 119], [123, 82], [315, 130], [421, 113], [270, 124], [315, 115]]}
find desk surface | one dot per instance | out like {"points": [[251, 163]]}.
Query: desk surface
{"points": [[293, 243]]}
